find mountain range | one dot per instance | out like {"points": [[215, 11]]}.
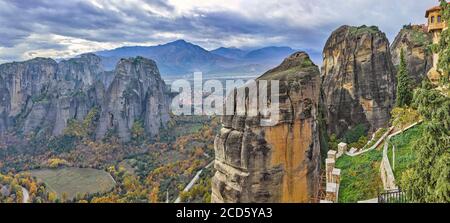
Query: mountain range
{"points": [[181, 57]]}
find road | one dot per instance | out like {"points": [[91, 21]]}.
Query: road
{"points": [[26, 195], [194, 180]]}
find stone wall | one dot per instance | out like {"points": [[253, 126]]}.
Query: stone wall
{"points": [[387, 174], [333, 178]]}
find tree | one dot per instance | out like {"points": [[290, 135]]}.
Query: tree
{"points": [[89, 121], [33, 188], [427, 179], [56, 162], [443, 47], [153, 197], [333, 142], [404, 86], [137, 132], [354, 134], [64, 197], [75, 128], [52, 197], [402, 117], [82, 129]]}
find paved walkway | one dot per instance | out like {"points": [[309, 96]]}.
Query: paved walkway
{"points": [[380, 140]]}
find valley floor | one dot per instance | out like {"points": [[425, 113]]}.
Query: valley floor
{"points": [[68, 182]]}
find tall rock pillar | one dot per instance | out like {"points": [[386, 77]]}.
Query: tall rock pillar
{"points": [[278, 163], [358, 79]]}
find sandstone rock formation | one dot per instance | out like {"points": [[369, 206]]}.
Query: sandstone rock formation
{"points": [[40, 95], [136, 93], [358, 79], [414, 40], [73, 92], [281, 163], [19, 82]]}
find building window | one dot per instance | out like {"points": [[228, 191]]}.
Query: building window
{"points": [[432, 19], [439, 19]]}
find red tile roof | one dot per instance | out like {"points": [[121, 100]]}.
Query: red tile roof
{"points": [[435, 8]]}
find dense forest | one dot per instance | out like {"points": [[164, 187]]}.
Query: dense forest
{"points": [[144, 171]]}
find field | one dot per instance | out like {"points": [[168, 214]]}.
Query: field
{"points": [[360, 177], [73, 181], [404, 153]]}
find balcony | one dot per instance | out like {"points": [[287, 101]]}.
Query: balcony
{"points": [[436, 26]]}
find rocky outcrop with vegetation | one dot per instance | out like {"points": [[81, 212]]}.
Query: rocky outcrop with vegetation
{"points": [[414, 40], [20, 85], [137, 94], [41, 96], [278, 163], [358, 79]]}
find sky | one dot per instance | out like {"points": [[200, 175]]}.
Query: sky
{"points": [[62, 29]]}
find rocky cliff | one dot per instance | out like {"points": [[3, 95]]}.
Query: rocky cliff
{"points": [[40, 96], [137, 93], [358, 79], [73, 92], [21, 85], [414, 40], [280, 163]]}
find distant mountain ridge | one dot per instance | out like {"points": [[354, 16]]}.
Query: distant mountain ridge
{"points": [[181, 57], [231, 52]]}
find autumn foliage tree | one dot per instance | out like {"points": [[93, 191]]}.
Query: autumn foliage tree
{"points": [[402, 117], [137, 132], [153, 197]]}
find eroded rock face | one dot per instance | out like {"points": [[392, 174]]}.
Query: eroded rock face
{"points": [[414, 40], [358, 79], [72, 92], [41, 95], [21, 84], [80, 72], [281, 163], [136, 93]]}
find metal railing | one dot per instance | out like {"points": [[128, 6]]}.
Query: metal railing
{"points": [[393, 196]]}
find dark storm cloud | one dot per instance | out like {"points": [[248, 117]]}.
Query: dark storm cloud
{"points": [[24, 24], [58, 17], [84, 20]]}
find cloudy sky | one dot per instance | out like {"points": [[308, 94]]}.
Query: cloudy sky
{"points": [[59, 29]]}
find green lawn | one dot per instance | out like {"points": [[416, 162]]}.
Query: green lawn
{"points": [[360, 176], [404, 153], [73, 181]]}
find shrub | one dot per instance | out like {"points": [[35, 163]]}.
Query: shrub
{"points": [[354, 134], [55, 163], [137, 132], [64, 143], [362, 141], [402, 117]]}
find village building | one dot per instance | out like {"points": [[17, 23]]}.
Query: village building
{"points": [[436, 25]]}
